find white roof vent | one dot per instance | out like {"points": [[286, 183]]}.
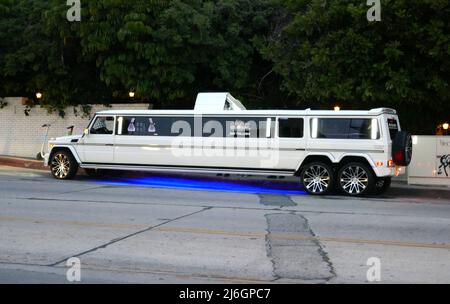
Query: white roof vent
{"points": [[216, 102]]}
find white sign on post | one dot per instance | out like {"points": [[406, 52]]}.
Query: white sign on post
{"points": [[443, 157], [430, 163]]}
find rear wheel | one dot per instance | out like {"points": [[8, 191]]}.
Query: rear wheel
{"points": [[317, 178], [355, 179], [63, 165]]}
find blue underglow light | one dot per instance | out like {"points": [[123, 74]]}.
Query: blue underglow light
{"points": [[207, 184]]}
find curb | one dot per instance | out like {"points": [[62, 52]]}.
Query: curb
{"points": [[22, 163]]}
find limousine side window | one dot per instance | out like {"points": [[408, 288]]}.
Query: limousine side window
{"points": [[290, 127], [235, 127], [345, 128], [103, 125], [185, 126], [148, 125], [393, 127]]}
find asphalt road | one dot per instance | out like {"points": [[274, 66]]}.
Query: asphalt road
{"points": [[182, 229]]}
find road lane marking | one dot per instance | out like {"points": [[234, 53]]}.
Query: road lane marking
{"points": [[228, 233], [292, 237], [72, 223]]}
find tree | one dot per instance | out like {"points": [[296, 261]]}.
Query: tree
{"points": [[37, 54], [270, 53], [329, 53], [168, 51]]}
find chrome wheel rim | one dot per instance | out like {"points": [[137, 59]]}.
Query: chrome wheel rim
{"points": [[60, 165], [354, 180], [316, 179]]}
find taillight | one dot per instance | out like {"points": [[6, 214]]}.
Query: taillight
{"points": [[398, 157], [390, 163]]}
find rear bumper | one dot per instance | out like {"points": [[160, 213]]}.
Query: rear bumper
{"points": [[384, 172]]}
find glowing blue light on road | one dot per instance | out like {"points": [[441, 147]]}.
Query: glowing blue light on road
{"points": [[208, 184]]}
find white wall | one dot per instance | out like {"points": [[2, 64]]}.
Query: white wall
{"points": [[22, 135], [430, 161]]}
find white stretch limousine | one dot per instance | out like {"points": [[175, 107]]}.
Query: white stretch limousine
{"points": [[356, 152]]}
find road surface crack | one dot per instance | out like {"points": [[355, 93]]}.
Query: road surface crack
{"points": [[128, 236], [321, 250], [296, 259]]}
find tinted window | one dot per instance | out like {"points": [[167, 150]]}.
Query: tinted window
{"points": [[217, 127], [153, 126], [235, 126], [393, 127], [290, 127], [344, 128], [103, 125], [187, 126], [360, 129]]}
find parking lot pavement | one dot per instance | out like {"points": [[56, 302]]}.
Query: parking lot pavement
{"points": [[155, 228]]}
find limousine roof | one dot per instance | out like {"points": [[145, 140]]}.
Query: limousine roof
{"points": [[225, 104], [307, 112]]}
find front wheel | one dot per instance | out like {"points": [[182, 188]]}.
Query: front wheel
{"points": [[317, 178], [355, 179], [63, 165]]}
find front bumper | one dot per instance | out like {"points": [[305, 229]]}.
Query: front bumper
{"points": [[46, 159]]}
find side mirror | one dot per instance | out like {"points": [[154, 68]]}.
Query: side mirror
{"points": [[85, 132]]}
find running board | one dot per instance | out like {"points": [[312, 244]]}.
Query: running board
{"points": [[188, 169]]}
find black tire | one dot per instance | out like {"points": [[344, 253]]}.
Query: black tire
{"points": [[63, 165], [355, 179], [402, 148], [317, 178], [382, 184]]}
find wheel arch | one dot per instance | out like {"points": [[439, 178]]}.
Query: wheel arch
{"points": [[321, 157], [65, 148], [350, 158]]}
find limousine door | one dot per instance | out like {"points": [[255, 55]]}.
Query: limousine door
{"points": [[98, 145], [290, 143]]}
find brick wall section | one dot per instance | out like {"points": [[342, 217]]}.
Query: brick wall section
{"points": [[22, 135]]}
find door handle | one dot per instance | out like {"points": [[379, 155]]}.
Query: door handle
{"points": [[109, 145]]}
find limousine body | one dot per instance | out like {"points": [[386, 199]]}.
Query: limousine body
{"points": [[356, 152]]}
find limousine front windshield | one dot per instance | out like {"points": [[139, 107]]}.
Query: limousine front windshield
{"points": [[103, 125]]}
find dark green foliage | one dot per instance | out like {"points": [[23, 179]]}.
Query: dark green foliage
{"points": [[166, 51], [329, 53], [269, 53]]}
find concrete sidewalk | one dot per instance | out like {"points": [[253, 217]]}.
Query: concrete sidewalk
{"points": [[27, 163]]}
